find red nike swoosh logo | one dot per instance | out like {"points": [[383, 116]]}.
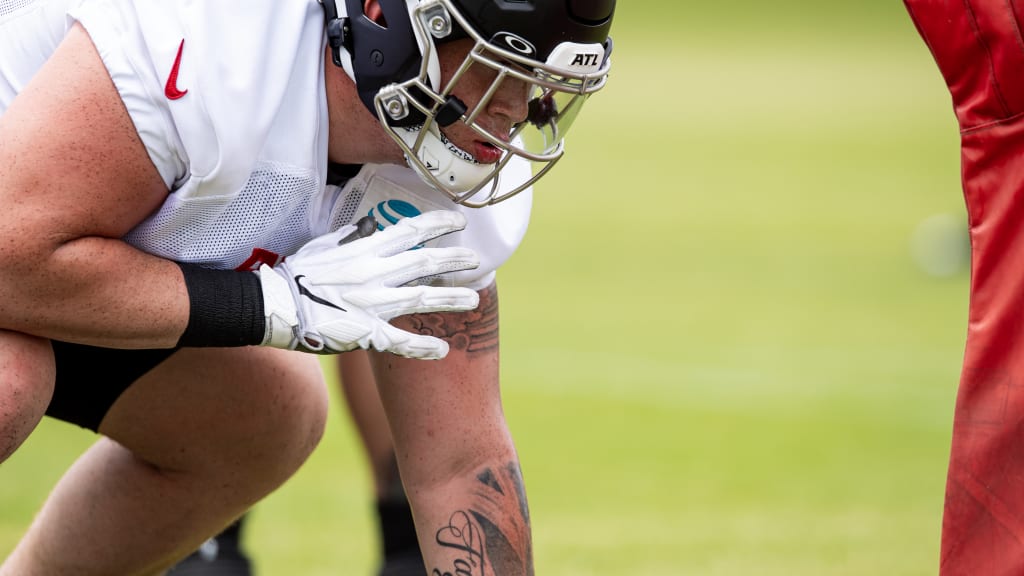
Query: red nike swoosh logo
{"points": [[171, 88]]}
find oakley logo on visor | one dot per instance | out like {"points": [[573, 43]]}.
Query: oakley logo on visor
{"points": [[513, 42]]}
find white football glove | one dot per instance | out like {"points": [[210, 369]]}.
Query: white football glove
{"points": [[338, 292]]}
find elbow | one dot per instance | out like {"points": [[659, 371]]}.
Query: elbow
{"points": [[27, 277]]}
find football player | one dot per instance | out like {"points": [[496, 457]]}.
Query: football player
{"points": [[170, 240]]}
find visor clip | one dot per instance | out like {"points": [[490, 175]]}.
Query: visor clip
{"points": [[450, 111], [339, 35]]}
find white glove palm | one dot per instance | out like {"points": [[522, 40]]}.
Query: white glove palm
{"points": [[335, 295]]}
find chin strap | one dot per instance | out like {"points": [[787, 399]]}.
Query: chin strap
{"points": [[451, 112]]}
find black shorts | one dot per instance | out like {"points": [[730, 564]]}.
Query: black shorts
{"points": [[90, 379]]}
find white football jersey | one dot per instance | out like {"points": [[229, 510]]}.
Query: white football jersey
{"points": [[390, 193], [229, 99]]}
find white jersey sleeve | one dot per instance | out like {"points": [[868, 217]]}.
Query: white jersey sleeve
{"points": [[30, 31], [229, 99]]}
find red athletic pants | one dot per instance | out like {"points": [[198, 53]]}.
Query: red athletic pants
{"points": [[980, 52]]}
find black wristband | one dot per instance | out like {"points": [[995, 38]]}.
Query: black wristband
{"points": [[225, 308]]}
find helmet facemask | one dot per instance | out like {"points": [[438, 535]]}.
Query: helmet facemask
{"points": [[423, 113]]}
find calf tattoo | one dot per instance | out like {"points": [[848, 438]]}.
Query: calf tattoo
{"points": [[472, 331], [492, 537]]}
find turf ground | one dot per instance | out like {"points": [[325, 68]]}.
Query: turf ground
{"points": [[718, 355]]}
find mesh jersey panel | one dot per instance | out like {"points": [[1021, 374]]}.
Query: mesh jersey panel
{"points": [[345, 208], [272, 212], [12, 6]]}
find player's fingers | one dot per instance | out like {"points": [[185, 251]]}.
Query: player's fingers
{"points": [[397, 270], [385, 338], [412, 265], [415, 345], [388, 304], [411, 232]]}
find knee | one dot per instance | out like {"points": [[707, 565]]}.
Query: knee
{"points": [[243, 419], [286, 435], [266, 446], [26, 385]]}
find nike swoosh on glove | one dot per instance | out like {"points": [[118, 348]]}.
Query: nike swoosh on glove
{"points": [[338, 293]]}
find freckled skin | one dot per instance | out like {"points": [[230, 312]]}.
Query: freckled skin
{"points": [[450, 432]]}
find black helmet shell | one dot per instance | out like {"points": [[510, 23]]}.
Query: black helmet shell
{"points": [[543, 23]]}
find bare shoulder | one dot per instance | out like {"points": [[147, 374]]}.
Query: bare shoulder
{"points": [[70, 157]]}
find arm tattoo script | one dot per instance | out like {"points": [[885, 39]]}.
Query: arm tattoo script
{"points": [[492, 538], [471, 331]]}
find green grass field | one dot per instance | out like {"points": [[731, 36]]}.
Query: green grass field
{"points": [[718, 355]]}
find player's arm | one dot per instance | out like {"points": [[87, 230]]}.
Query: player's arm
{"points": [[454, 450], [75, 178]]}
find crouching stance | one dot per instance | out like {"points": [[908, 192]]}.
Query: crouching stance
{"points": [[172, 257]]}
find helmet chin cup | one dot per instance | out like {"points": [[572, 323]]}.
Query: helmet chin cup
{"points": [[440, 162]]}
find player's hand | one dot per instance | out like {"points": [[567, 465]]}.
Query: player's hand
{"points": [[339, 291]]}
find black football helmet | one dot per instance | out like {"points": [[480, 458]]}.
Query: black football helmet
{"points": [[559, 48]]}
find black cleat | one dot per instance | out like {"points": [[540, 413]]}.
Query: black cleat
{"points": [[409, 563], [221, 555]]}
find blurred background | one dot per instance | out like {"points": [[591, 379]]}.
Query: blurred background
{"points": [[732, 337]]}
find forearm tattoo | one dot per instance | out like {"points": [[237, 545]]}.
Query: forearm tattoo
{"points": [[492, 537], [472, 331]]}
